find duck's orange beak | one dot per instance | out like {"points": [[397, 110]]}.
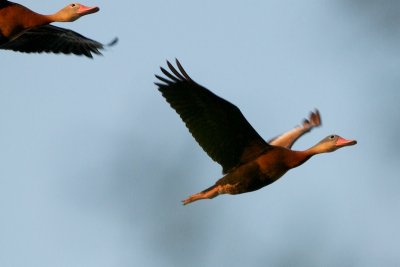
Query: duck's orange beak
{"points": [[341, 142], [85, 10]]}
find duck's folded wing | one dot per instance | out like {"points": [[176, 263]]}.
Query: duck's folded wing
{"points": [[287, 139], [217, 125], [52, 39]]}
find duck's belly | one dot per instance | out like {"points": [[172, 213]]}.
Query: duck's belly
{"points": [[248, 178]]}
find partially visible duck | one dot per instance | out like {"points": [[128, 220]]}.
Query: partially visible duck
{"points": [[24, 30], [248, 162]]}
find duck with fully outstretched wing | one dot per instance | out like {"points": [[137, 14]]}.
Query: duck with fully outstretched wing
{"points": [[248, 162]]}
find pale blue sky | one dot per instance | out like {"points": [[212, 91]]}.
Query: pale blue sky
{"points": [[95, 162]]}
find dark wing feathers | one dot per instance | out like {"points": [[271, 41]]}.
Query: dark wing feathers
{"points": [[217, 125], [182, 70], [52, 39]]}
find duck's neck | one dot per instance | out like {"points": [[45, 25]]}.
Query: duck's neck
{"points": [[299, 157], [57, 17], [40, 20], [30, 18]]}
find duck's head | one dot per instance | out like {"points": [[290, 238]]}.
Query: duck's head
{"points": [[74, 11], [333, 142]]}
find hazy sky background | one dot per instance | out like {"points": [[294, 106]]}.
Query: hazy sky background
{"points": [[94, 162]]}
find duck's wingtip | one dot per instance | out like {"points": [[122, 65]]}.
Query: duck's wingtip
{"points": [[113, 42]]}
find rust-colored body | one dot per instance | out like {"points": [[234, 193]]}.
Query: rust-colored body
{"points": [[262, 171], [15, 18]]}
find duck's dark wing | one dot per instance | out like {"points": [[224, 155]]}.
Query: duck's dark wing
{"points": [[217, 125], [287, 139], [52, 39]]}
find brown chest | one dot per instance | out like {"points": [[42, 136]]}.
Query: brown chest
{"points": [[273, 165], [15, 18]]}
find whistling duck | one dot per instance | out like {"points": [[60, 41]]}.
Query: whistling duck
{"points": [[23, 30], [248, 162]]}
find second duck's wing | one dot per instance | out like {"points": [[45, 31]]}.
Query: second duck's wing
{"points": [[52, 39], [287, 139], [217, 125]]}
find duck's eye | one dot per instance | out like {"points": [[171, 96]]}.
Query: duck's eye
{"points": [[72, 5], [331, 137]]}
